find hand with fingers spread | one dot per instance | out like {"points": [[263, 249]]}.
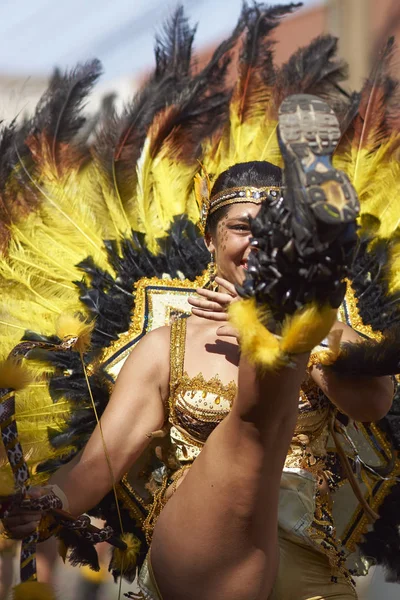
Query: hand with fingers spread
{"points": [[214, 305]]}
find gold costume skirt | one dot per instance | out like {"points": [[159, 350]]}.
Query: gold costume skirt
{"points": [[304, 574]]}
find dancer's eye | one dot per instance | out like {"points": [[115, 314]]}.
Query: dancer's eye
{"points": [[240, 227]]}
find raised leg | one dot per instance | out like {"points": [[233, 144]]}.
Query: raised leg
{"points": [[217, 536], [216, 539]]}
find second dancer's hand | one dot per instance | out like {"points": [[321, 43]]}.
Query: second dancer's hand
{"points": [[213, 305]]}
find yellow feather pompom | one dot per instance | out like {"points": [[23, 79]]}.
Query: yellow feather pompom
{"points": [[301, 332], [260, 346], [307, 328], [33, 590], [125, 561], [71, 326], [14, 375]]}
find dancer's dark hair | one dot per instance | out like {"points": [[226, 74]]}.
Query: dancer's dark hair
{"points": [[253, 174]]}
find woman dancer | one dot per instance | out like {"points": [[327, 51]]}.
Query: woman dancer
{"points": [[216, 536]]}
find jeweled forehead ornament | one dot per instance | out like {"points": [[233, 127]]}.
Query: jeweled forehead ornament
{"points": [[235, 195]]}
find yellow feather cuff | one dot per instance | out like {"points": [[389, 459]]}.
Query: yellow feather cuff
{"points": [[307, 328], [259, 345], [301, 332]]}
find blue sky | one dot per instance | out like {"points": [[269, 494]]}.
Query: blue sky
{"points": [[36, 35]]}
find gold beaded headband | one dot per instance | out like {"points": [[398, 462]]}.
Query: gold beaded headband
{"points": [[255, 195], [208, 205]]}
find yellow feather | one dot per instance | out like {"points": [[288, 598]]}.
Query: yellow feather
{"points": [[394, 269], [62, 199], [33, 590], [383, 201], [119, 224], [145, 210], [253, 139], [259, 345], [305, 329], [126, 559], [164, 190], [72, 326], [376, 178], [35, 413], [301, 332], [14, 375]]}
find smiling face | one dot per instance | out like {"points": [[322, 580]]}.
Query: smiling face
{"points": [[230, 242]]}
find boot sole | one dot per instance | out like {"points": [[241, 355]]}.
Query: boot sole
{"points": [[308, 134]]}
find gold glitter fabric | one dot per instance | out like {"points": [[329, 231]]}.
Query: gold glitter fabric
{"points": [[196, 405]]}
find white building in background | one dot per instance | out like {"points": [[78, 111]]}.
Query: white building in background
{"points": [[19, 95]]}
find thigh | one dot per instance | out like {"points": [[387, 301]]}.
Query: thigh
{"points": [[209, 538], [305, 574]]}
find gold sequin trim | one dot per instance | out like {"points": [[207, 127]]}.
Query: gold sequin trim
{"points": [[124, 491], [255, 195], [240, 200], [159, 502], [356, 321], [212, 386], [177, 354]]}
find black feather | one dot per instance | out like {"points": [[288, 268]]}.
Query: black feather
{"points": [[122, 136], [197, 103], [81, 552], [370, 358], [315, 69], [16, 197], [174, 44], [261, 20], [59, 112]]}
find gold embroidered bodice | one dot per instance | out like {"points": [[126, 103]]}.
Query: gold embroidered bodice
{"points": [[196, 406]]}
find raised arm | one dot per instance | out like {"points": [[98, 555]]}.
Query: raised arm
{"points": [[361, 398]]}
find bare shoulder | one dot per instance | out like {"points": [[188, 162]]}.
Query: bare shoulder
{"points": [[150, 357]]}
